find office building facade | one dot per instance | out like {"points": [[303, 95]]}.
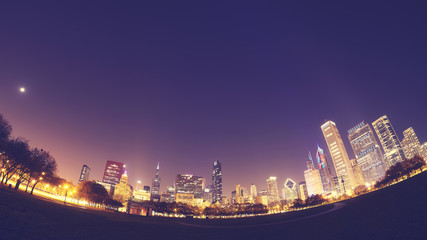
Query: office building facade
{"points": [[113, 172], [339, 155], [368, 153], [393, 152], [84, 174], [217, 182]]}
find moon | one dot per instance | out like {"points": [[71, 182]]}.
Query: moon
{"points": [[22, 89]]}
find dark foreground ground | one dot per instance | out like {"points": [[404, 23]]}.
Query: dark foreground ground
{"points": [[397, 212]]}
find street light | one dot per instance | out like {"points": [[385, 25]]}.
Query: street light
{"points": [[66, 191]]}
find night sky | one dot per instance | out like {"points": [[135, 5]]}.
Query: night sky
{"points": [[190, 83]]}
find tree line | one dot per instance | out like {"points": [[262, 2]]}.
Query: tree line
{"points": [[26, 165], [400, 170]]}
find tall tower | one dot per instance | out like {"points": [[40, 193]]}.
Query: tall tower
{"points": [[392, 150], [155, 186], [84, 174], [272, 191], [325, 172], [367, 151], [410, 143], [254, 192], [339, 156], [217, 182]]}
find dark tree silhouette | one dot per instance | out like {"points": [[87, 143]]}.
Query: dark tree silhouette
{"points": [[91, 192]]}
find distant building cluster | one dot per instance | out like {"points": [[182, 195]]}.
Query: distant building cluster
{"points": [[376, 147]]}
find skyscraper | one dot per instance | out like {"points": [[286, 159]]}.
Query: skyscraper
{"points": [[423, 151], [312, 178], [339, 155], [291, 192], [122, 191], [313, 182], [253, 191], [239, 194], [389, 141], [207, 195], [302, 191], [272, 191], [217, 182], [189, 184], [410, 143], [368, 153], [113, 172], [155, 186], [84, 174], [324, 170]]}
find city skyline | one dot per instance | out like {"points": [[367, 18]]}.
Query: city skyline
{"points": [[249, 89]]}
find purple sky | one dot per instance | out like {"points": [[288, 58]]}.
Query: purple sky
{"points": [[187, 84]]}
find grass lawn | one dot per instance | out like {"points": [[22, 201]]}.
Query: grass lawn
{"points": [[396, 212]]}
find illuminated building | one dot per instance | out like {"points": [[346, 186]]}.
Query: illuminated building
{"points": [[312, 178], [393, 152], [169, 196], [253, 191], [325, 172], [291, 192], [357, 172], [186, 198], [239, 195], [84, 175], [113, 172], [141, 193], [216, 182], [189, 184], [423, 151], [337, 185], [272, 191], [313, 182], [262, 199], [233, 197], [208, 193], [302, 193], [122, 191], [410, 143], [155, 186], [339, 155], [368, 153]]}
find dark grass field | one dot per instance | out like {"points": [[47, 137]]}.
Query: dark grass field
{"points": [[397, 212]]}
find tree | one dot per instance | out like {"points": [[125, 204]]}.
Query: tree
{"points": [[91, 192], [113, 204], [44, 167], [5, 131], [400, 169], [298, 203], [19, 158], [315, 200]]}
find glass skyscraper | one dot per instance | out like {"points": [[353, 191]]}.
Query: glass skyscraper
{"points": [[367, 151], [410, 143], [325, 172], [272, 191], [217, 182], [84, 175], [339, 156], [393, 152], [189, 184], [155, 186]]}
